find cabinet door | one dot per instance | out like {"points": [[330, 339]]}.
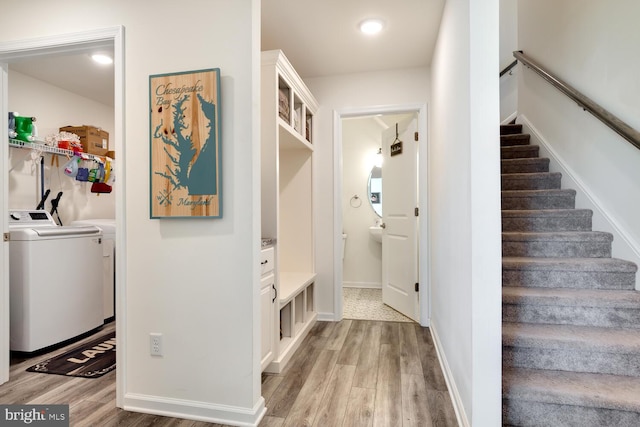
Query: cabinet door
{"points": [[267, 310]]}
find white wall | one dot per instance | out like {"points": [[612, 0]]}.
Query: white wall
{"points": [[353, 91], [194, 281], [362, 265], [508, 44], [54, 107], [591, 45], [508, 31], [465, 208]]}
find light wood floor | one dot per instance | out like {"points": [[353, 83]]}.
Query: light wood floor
{"points": [[350, 373]]}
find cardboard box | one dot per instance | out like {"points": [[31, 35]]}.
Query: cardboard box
{"points": [[94, 140]]}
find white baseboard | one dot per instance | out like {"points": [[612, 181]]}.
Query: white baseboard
{"points": [[456, 400], [362, 285], [624, 245], [193, 410]]}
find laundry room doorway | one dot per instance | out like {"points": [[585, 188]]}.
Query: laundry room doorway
{"points": [[21, 52]]}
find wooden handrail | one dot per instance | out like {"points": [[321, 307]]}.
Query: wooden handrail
{"points": [[609, 119]]}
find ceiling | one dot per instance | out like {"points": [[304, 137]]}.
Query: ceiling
{"points": [[76, 73], [319, 37]]}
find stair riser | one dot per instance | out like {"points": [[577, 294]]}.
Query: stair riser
{"points": [[579, 249], [526, 151], [535, 182], [512, 140], [510, 129], [538, 202], [577, 223], [569, 279], [572, 360], [528, 413], [538, 165], [605, 317]]}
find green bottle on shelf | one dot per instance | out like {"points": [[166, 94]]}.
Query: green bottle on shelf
{"points": [[25, 128]]}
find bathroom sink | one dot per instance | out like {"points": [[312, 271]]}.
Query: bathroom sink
{"points": [[376, 233]]}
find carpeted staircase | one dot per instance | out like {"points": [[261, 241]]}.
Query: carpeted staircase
{"points": [[571, 316]]}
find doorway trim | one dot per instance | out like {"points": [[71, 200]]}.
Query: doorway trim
{"points": [[423, 201], [65, 44]]}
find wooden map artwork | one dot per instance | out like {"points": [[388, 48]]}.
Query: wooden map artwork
{"points": [[185, 144]]}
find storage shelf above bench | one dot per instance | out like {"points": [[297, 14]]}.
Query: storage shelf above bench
{"points": [[290, 139], [291, 284]]}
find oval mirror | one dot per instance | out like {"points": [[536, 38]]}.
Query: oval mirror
{"points": [[374, 189]]}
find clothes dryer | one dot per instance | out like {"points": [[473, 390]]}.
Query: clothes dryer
{"points": [[108, 227]]}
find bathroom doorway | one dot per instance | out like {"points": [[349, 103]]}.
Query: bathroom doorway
{"points": [[361, 211]]}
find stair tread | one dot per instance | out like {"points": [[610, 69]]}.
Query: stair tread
{"points": [[519, 147], [539, 193], [572, 388], [569, 264], [572, 297], [517, 135], [510, 213], [525, 160], [557, 236], [544, 335], [530, 175]]}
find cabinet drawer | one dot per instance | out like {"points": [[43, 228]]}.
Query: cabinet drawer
{"points": [[266, 261]]}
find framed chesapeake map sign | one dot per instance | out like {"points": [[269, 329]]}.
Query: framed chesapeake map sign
{"points": [[185, 144]]}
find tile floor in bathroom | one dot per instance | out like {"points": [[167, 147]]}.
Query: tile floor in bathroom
{"points": [[366, 304]]}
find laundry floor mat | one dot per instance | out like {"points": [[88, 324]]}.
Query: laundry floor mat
{"points": [[92, 359]]}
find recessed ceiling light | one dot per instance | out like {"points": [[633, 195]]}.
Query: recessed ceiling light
{"points": [[371, 26], [101, 58]]}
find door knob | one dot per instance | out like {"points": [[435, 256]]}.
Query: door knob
{"points": [[383, 225]]}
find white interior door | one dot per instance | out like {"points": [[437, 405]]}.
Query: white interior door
{"points": [[399, 202], [4, 228]]}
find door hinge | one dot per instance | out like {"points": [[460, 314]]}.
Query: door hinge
{"points": [[6, 237], [415, 136], [416, 211], [417, 287]]}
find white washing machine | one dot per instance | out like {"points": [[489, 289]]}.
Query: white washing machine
{"points": [[55, 280], [108, 227]]}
